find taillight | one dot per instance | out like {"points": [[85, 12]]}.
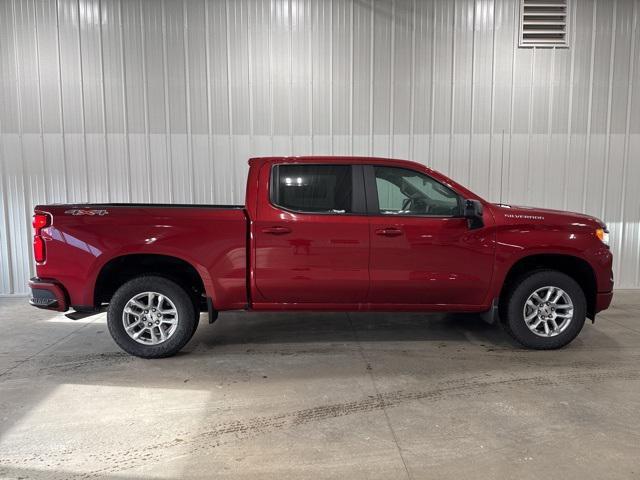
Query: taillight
{"points": [[38, 249], [40, 221]]}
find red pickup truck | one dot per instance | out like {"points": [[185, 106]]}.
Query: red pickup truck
{"points": [[323, 234]]}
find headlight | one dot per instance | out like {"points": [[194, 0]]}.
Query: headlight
{"points": [[603, 235]]}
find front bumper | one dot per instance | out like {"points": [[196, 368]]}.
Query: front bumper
{"points": [[48, 294]]}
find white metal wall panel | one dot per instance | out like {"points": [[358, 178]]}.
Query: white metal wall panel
{"points": [[163, 101]]}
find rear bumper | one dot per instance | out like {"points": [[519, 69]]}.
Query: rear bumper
{"points": [[48, 294], [603, 300]]}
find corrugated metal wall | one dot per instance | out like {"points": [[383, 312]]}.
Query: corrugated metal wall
{"points": [[163, 101]]}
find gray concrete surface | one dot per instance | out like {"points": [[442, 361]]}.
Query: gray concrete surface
{"points": [[383, 396]]}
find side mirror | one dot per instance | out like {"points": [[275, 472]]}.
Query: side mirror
{"points": [[473, 213]]}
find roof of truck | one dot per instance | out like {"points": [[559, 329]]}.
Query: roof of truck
{"points": [[334, 159]]}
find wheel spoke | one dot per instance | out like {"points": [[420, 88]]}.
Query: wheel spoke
{"points": [[531, 316], [133, 325], [537, 297], [138, 304], [535, 324], [549, 293], [138, 333], [564, 315], [554, 325]]}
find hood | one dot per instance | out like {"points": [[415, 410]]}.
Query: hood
{"points": [[518, 214]]}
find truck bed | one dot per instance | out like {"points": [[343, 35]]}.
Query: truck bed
{"points": [[83, 238]]}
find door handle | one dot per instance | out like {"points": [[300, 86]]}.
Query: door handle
{"points": [[276, 230], [389, 232]]}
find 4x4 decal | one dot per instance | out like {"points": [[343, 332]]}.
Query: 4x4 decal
{"points": [[80, 211]]}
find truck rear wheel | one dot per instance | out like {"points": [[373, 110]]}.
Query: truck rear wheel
{"points": [[151, 317], [544, 310]]}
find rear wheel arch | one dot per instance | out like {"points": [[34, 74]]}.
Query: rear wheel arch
{"points": [[575, 267], [121, 269]]}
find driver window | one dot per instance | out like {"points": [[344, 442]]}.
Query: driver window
{"points": [[406, 192]]}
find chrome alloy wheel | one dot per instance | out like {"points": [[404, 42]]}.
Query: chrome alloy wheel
{"points": [[548, 311], [150, 318]]}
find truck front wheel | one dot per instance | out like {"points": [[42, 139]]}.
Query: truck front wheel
{"points": [[544, 310], [151, 317]]}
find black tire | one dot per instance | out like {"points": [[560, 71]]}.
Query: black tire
{"points": [[196, 322], [512, 309], [187, 319]]}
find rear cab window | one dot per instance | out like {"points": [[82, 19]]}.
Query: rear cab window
{"points": [[325, 189]]}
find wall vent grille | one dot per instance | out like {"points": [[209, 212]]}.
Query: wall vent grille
{"points": [[544, 23]]}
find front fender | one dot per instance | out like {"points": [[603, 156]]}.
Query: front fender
{"points": [[517, 244]]}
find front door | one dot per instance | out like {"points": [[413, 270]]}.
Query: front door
{"points": [[312, 237], [422, 251]]}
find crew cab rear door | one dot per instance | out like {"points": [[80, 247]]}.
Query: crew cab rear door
{"points": [[422, 250], [311, 235]]}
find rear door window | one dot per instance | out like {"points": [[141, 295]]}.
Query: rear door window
{"points": [[313, 188]]}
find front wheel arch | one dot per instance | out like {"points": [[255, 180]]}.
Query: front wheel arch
{"points": [[577, 268]]}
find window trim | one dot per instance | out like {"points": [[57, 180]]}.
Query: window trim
{"points": [[358, 201], [371, 190]]}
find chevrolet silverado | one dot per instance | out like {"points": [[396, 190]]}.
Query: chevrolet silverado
{"points": [[323, 234]]}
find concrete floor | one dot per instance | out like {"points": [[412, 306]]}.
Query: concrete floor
{"points": [[385, 396]]}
